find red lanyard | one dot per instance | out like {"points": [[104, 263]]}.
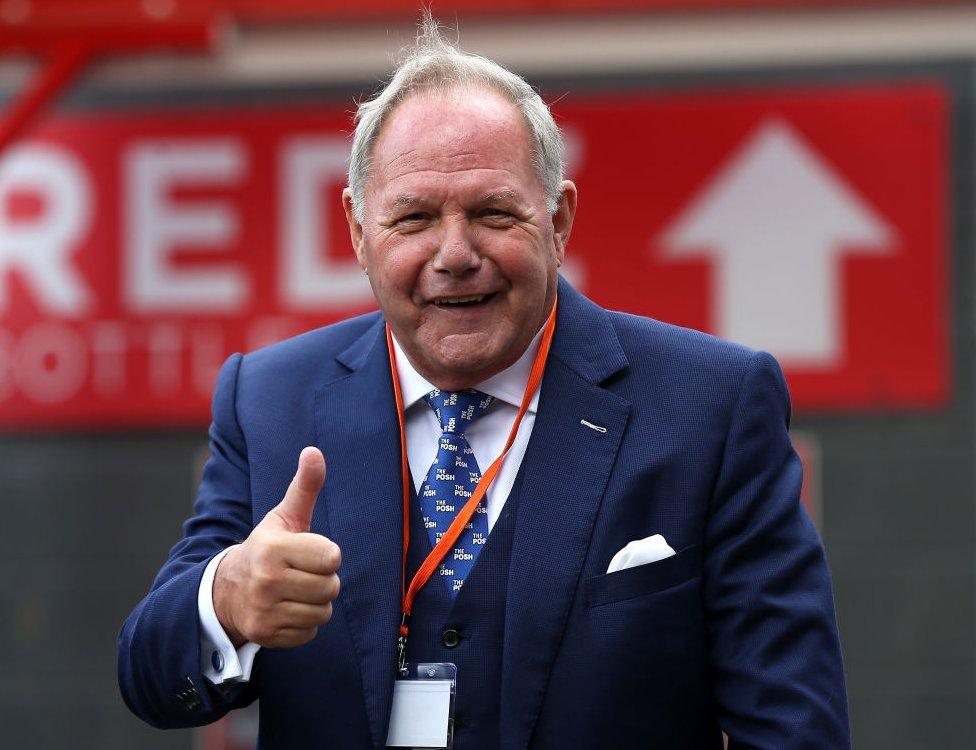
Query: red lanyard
{"points": [[447, 541]]}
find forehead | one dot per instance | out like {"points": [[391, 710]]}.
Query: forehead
{"points": [[453, 139]]}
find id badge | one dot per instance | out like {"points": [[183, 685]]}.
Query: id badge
{"points": [[423, 707]]}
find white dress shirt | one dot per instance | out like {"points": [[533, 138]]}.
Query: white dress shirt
{"points": [[221, 662]]}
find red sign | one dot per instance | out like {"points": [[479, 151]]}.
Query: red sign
{"points": [[138, 251], [48, 14], [811, 224]]}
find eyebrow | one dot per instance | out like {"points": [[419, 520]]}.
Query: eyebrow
{"points": [[501, 196], [407, 201], [506, 195]]}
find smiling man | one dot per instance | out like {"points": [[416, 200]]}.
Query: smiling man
{"points": [[457, 235], [555, 526]]}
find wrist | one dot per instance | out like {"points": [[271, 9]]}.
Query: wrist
{"points": [[223, 598]]}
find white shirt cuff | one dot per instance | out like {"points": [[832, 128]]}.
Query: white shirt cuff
{"points": [[219, 660]]}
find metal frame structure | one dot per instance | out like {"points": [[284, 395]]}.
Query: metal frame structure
{"points": [[66, 36]]}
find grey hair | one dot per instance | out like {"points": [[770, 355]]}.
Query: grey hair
{"points": [[433, 63]]}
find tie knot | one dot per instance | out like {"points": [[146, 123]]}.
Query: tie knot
{"points": [[457, 410]]}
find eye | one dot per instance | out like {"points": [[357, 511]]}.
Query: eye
{"points": [[412, 222], [497, 215]]}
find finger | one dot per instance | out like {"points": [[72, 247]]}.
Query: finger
{"points": [[300, 615], [312, 553], [287, 637], [299, 501], [310, 588]]}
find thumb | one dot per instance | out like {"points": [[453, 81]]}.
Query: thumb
{"points": [[296, 507]]}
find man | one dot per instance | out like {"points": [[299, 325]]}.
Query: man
{"points": [[639, 572]]}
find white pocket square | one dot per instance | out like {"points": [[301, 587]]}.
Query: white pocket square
{"points": [[639, 552]]}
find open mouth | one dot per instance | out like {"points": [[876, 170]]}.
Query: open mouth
{"points": [[469, 301]]}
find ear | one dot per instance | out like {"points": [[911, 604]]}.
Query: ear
{"points": [[355, 228], [562, 220]]}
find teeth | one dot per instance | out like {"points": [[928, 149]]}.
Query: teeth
{"points": [[460, 300]]}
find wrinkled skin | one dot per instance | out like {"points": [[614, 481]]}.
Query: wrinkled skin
{"points": [[454, 208]]}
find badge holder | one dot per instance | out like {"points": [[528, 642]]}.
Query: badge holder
{"points": [[423, 706]]}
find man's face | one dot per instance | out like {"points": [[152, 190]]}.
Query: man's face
{"points": [[459, 246]]}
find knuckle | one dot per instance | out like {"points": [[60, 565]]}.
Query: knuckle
{"points": [[276, 638], [262, 555], [264, 587], [276, 546], [262, 578], [290, 637], [270, 633], [331, 556], [334, 587]]}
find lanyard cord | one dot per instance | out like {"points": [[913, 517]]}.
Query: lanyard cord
{"points": [[447, 541]]}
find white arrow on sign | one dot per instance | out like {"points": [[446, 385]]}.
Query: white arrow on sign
{"points": [[776, 220]]}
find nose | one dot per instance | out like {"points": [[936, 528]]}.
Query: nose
{"points": [[456, 253]]}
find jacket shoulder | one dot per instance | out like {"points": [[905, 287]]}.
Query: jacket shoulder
{"points": [[309, 354], [680, 372], [647, 338]]}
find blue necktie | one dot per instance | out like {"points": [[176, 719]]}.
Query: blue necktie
{"points": [[451, 480]]}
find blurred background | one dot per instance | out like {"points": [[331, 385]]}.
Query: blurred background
{"points": [[793, 174]]}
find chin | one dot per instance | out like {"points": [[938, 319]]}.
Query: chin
{"points": [[473, 360], [463, 367]]}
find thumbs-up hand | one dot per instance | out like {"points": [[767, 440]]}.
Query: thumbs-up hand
{"points": [[277, 588]]}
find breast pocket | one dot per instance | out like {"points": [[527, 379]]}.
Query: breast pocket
{"points": [[642, 580]]}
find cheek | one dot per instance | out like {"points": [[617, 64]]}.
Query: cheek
{"points": [[395, 266], [523, 255], [526, 267]]}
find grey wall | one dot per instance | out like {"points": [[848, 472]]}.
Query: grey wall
{"points": [[86, 523]]}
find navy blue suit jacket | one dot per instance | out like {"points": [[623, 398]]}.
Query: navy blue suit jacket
{"points": [[735, 631]]}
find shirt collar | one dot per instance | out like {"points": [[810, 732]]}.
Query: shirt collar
{"points": [[507, 385]]}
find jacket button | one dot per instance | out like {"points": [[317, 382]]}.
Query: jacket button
{"points": [[450, 638], [189, 697]]}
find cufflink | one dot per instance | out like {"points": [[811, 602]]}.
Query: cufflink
{"points": [[217, 661]]}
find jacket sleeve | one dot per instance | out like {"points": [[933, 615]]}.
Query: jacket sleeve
{"points": [[159, 660], [778, 675]]}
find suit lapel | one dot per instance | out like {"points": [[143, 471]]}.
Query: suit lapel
{"points": [[565, 472], [358, 433]]}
